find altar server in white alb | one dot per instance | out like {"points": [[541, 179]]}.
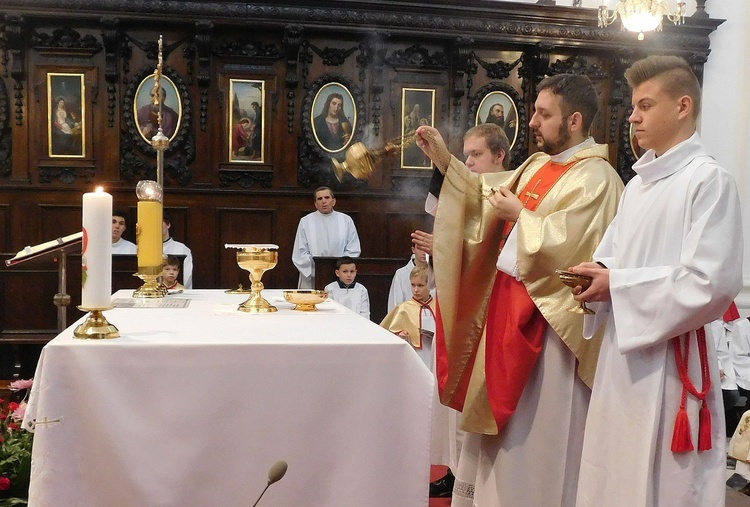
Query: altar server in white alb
{"points": [[655, 429], [323, 233], [172, 247], [346, 290]]}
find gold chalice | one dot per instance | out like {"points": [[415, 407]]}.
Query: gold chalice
{"points": [[305, 299], [573, 280], [257, 259], [359, 160]]}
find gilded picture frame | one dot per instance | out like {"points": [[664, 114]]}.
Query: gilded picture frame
{"points": [[246, 128], [333, 117], [66, 121], [417, 108], [145, 108], [499, 108]]}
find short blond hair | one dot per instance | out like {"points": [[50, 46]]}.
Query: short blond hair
{"points": [[674, 73], [419, 271]]}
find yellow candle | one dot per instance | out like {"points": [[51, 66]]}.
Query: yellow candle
{"points": [[148, 234]]}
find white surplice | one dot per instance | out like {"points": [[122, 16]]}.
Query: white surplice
{"points": [[124, 247], [355, 297], [323, 235], [675, 256]]}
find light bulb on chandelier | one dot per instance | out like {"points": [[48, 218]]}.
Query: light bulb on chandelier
{"points": [[641, 15]]}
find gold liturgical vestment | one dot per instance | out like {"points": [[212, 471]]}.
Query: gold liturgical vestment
{"points": [[563, 231], [408, 317]]}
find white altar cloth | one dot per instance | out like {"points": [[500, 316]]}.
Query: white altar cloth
{"points": [[191, 407]]}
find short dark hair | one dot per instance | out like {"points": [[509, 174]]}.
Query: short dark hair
{"points": [[320, 189], [674, 73], [121, 213], [577, 94], [344, 260], [495, 138], [173, 261]]}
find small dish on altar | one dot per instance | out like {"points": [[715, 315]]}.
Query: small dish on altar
{"points": [[305, 299]]}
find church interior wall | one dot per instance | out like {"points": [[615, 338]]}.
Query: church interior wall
{"points": [[458, 52]]}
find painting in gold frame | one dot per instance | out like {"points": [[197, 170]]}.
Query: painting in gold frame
{"points": [[66, 94], [334, 117], [417, 108], [246, 121], [146, 108]]}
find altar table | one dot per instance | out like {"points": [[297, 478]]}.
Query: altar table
{"points": [[191, 407]]}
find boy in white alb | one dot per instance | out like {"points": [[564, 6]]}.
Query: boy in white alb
{"points": [[346, 291]]}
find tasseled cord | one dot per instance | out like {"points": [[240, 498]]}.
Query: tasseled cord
{"points": [[681, 438]]}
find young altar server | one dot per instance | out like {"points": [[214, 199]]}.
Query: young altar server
{"points": [[414, 321], [671, 262], [346, 290]]}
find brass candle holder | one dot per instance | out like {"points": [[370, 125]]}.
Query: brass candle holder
{"points": [[96, 326], [573, 280], [152, 286], [256, 259]]}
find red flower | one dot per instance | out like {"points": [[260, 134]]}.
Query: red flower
{"points": [[14, 426], [13, 406], [4, 484], [3, 416]]}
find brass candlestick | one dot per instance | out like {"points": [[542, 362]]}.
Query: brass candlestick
{"points": [[257, 259], [152, 286], [96, 326]]}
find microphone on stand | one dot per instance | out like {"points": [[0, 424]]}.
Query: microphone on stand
{"points": [[275, 473]]}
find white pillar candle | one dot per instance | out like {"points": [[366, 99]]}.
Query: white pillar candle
{"points": [[96, 258]]}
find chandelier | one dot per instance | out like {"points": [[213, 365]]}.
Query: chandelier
{"points": [[641, 15]]}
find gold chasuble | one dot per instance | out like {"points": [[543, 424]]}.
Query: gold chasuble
{"points": [[562, 231]]}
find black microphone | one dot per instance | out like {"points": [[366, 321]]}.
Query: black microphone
{"points": [[275, 473]]}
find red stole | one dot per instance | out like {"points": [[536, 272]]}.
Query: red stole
{"points": [[515, 327], [423, 305]]}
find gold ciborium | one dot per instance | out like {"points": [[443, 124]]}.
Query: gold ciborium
{"points": [[257, 259], [305, 299], [573, 280], [359, 159]]}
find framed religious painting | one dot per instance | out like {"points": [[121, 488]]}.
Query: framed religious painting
{"points": [[417, 109], [147, 104], [66, 94], [499, 103], [333, 117], [246, 121], [497, 107]]}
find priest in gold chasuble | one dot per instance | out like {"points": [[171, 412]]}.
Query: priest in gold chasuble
{"points": [[510, 354]]}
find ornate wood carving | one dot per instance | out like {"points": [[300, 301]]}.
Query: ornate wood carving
{"points": [[333, 57], [6, 148], [202, 40], [246, 179], [498, 69], [461, 56], [292, 42], [112, 40], [577, 65], [65, 42], [16, 56], [417, 57], [67, 174]]}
